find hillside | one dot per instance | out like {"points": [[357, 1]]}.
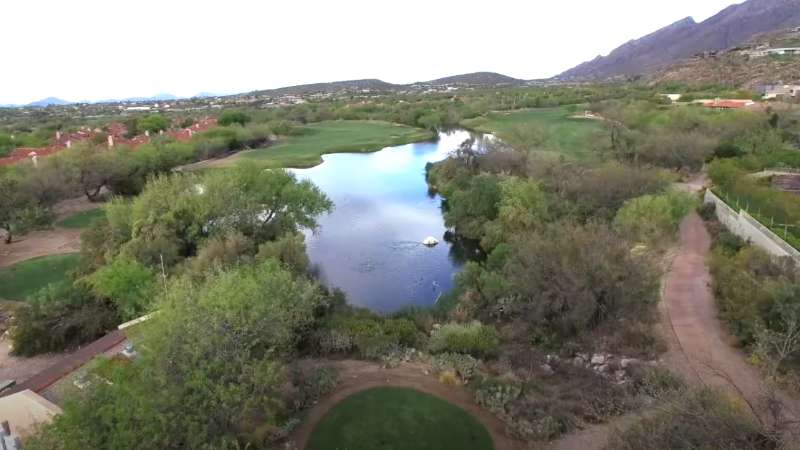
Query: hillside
{"points": [[49, 101], [485, 79], [477, 79], [682, 39], [335, 86], [734, 68]]}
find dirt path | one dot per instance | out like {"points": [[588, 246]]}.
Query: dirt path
{"points": [[55, 241], [40, 243], [356, 376], [699, 346]]}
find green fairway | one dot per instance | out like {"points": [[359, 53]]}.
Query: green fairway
{"points": [[19, 281], [398, 419], [305, 149], [82, 219], [550, 129]]}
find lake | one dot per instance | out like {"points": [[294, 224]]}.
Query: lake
{"points": [[370, 246]]}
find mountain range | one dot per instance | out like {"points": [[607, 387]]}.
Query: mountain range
{"points": [[685, 38], [476, 79]]}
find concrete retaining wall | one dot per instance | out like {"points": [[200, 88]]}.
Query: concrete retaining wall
{"points": [[746, 227]]}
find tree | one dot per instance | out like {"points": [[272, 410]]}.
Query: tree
{"points": [[652, 218], [94, 167], [468, 210], [175, 213], [19, 210], [233, 117], [211, 374], [128, 284], [152, 123]]}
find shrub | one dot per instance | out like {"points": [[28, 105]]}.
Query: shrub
{"points": [[473, 338], [708, 211], [60, 317], [127, 283], [233, 117], [698, 418], [315, 385], [462, 365], [652, 218], [369, 335]]}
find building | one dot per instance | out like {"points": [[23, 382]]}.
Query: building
{"points": [[672, 97], [781, 90], [721, 103], [24, 411], [761, 52]]}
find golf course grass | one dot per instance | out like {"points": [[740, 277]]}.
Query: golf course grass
{"points": [[19, 281], [306, 148], [558, 131], [398, 419], [82, 219]]}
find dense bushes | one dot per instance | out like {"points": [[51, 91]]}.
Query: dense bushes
{"points": [[695, 418], [60, 317], [570, 279], [472, 338], [653, 218], [365, 334], [754, 290]]}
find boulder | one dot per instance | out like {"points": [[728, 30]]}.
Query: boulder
{"points": [[598, 359], [627, 362]]}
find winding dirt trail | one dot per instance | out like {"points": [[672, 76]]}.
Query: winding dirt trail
{"points": [[699, 347], [357, 376]]}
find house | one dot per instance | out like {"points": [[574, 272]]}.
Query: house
{"points": [[720, 103], [23, 411], [783, 90], [788, 51]]}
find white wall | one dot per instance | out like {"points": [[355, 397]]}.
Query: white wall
{"points": [[746, 227]]}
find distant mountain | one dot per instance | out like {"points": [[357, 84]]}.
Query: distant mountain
{"points": [[48, 102], [155, 98], [732, 26], [375, 85], [476, 79], [205, 95], [336, 86]]}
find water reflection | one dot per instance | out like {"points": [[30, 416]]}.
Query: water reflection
{"points": [[370, 245]]}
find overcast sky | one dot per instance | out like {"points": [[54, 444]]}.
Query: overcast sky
{"points": [[90, 50]]}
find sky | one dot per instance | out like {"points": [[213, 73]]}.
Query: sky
{"points": [[92, 50]]}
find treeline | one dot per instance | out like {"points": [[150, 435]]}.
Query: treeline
{"points": [[28, 191]]}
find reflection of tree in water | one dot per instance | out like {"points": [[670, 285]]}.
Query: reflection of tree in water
{"points": [[463, 249]]}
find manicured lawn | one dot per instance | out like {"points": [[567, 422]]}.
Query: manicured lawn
{"points": [[81, 219], [305, 149], [19, 281], [560, 132], [398, 419]]}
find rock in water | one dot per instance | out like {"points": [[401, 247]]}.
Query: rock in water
{"points": [[430, 241]]}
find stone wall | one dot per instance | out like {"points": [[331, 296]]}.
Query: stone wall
{"points": [[746, 227]]}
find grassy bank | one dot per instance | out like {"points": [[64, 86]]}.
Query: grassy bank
{"points": [[398, 419], [306, 148], [82, 219], [550, 129], [19, 281]]}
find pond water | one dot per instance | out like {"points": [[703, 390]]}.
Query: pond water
{"points": [[370, 246]]}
